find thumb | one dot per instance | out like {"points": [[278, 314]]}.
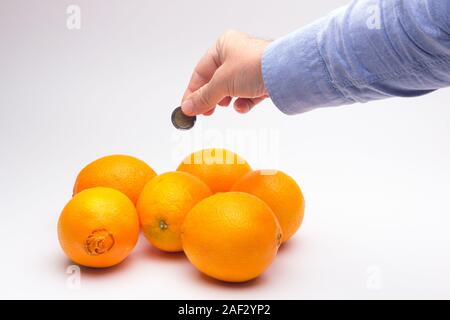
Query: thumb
{"points": [[207, 97]]}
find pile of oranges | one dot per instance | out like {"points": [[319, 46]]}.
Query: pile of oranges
{"points": [[228, 219]]}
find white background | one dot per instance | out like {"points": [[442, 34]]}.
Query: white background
{"points": [[376, 177]]}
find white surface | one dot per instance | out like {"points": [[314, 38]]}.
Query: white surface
{"points": [[376, 177]]}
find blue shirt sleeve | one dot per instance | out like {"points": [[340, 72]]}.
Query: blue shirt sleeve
{"points": [[370, 49]]}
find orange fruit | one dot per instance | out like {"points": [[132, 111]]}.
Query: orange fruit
{"points": [[124, 173], [231, 236], [218, 168], [281, 193], [98, 227], [164, 203]]}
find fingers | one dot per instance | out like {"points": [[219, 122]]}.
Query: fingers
{"points": [[203, 72], [244, 105], [225, 102], [210, 112], [241, 105], [204, 90], [206, 97]]}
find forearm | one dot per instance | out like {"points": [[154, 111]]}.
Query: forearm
{"points": [[370, 49]]}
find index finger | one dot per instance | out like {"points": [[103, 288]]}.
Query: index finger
{"points": [[203, 72]]}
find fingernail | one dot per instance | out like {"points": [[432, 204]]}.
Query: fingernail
{"points": [[187, 107], [242, 108]]}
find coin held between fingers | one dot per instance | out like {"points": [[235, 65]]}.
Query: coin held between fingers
{"points": [[182, 121]]}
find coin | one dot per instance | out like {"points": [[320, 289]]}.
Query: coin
{"points": [[182, 121]]}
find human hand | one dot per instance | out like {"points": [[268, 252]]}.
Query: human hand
{"points": [[231, 68]]}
